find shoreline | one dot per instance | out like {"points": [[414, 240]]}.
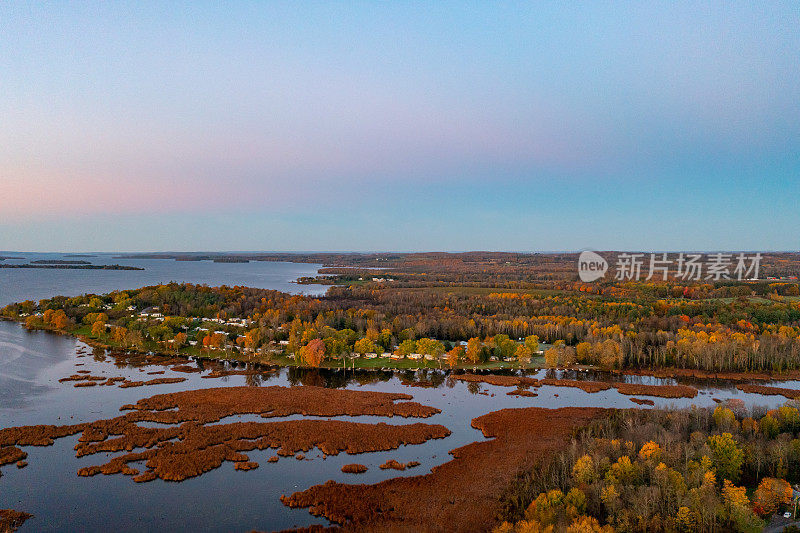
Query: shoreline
{"points": [[380, 364]]}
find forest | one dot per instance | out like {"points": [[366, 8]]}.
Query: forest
{"points": [[698, 469], [725, 325]]}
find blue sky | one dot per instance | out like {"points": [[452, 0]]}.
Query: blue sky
{"points": [[399, 126]]}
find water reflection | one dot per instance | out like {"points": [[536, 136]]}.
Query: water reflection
{"points": [[30, 393]]}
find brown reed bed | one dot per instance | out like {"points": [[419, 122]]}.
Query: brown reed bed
{"points": [[82, 380], [586, 386], [396, 465], [11, 520], [180, 452], [40, 435], [661, 391], [522, 392], [245, 465], [82, 377], [186, 369], [493, 379], [642, 401], [11, 454], [770, 391], [217, 373], [354, 468], [209, 405], [460, 495], [155, 381], [193, 445]]}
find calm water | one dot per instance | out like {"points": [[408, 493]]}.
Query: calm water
{"points": [[224, 499], [17, 284], [50, 489]]}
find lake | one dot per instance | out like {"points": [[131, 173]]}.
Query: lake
{"points": [[17, 284]]}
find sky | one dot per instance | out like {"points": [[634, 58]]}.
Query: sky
{"points": [[399, 126]]}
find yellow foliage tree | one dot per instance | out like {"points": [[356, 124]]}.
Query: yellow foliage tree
{"points": [[650, 450], [474, 350], [583, 471], [522, 353], [588, 524]]}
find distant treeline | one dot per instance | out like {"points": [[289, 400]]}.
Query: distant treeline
{"points": [[58, 262], [482, 267], [73, 266]]}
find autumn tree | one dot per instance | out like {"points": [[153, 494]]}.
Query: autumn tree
{"points": [[214, 340], [474, 349], [119, 333], [503, 346], [91, 318], [769, 426], [179, 340], [134, 338], [60, 320], [771, 494], [407, 347], [313, 353], [737, 508], [584, 353], [430, 347], [252, 339], [532, 343], [99, 328], [727, 456], [407, 334], [365, 345], [588, 524], [559, 355], [385, 339], [724, 418], [610, 354], [584, 469], [522, 353], [454, 355]]}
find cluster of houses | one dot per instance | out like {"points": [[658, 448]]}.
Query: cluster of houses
{"points": [[153, 313]]}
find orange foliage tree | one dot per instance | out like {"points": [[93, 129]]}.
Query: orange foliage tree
{"points": [[771, 494], [313, 353], [60, 320], [454, 355], [179, 340]]}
